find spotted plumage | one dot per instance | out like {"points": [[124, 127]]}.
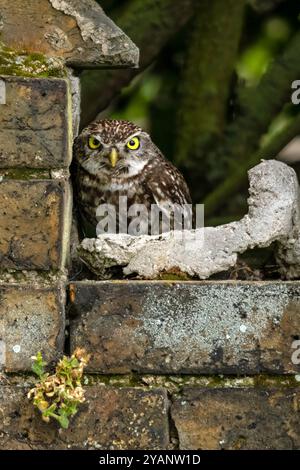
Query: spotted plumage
{"points": [[117, 158]]}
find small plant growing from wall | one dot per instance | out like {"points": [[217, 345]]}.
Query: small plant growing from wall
{"points": [[59, 395]]}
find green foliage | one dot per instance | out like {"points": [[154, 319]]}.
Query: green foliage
{"points": [[257, 56], [58, 396], [136, 99], [39, 365]]}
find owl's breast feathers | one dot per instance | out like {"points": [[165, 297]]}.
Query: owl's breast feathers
{"points": [[158, 183]]}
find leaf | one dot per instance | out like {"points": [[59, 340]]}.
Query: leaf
{"points": [[50, 411], [74, 362], [38, 367], [63, 421]]}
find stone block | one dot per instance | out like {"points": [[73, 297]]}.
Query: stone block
{"points": [[235, 419], [35, 123], [32, 319], [79, 33], [112, 418], [187, 327], [34, 224]]}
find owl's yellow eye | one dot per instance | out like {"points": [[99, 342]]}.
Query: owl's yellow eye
{"points": [[94, 143], [134, 143]]}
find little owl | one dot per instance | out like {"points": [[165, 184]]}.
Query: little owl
{"points": [[116, 158]]}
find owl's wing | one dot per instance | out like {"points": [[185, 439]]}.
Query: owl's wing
{"points": [[166, 184], [169, 192]]}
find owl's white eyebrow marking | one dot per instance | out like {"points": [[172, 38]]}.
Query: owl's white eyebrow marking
{"points": [[133, 135], [95, 134]]}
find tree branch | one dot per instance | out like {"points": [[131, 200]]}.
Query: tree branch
{"points": [[262, 6], [150, 24], [238, 177], [206, 76], [259, 105]]}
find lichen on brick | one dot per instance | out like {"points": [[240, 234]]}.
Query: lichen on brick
{"points": [[186, 327]]}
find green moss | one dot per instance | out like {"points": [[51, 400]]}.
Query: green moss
{"points": [[115, 380], [174, 275], [19, 63], [24, 174], [281, 381], [21, 277], [176, 383]]}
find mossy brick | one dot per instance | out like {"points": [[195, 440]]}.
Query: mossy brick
{"points": [[76, 32], [35, 123], [112, 418], [187, 327], [34, 224], [232, 419], [32, 319]]}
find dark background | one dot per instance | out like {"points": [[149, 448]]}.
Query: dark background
{"points": [[214, 89]]}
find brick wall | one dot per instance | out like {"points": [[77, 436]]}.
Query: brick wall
{"points": [[189, 365], [35, 216]]}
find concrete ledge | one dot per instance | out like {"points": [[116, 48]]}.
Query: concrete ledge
{"points": [[273, 215], [186, 327]]}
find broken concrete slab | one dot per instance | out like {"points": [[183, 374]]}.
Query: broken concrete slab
{"points": [[273, 215], [167, 327], [77, 32]]}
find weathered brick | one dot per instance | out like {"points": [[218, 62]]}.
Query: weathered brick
{"points": [[112, 418], [31, 319], [194, 327], [78, 32], [238, 419], [35, 123], [34, 224]]}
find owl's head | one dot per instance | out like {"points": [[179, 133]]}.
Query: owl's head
{"points": [[113, 147]]}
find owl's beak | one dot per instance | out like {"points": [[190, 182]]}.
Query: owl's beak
{"points": [[113, 157]]}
